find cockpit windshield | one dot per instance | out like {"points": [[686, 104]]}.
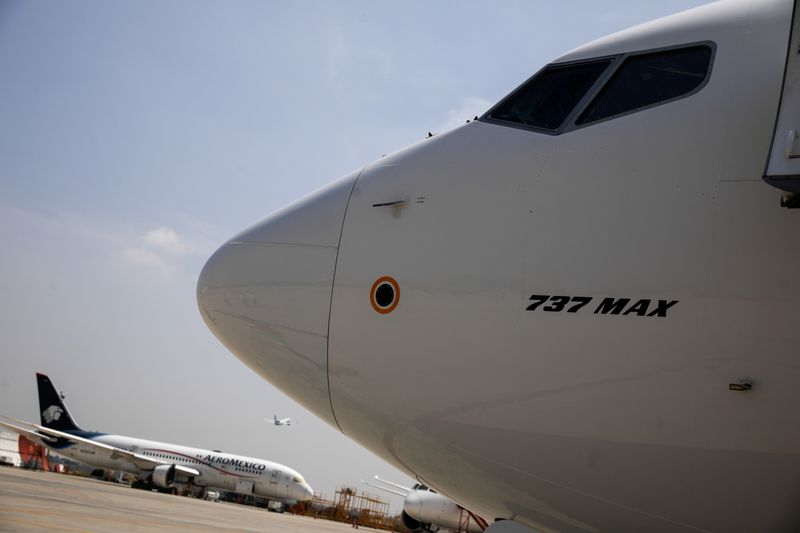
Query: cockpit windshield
{"points": [[549, 98], [567, 96]]}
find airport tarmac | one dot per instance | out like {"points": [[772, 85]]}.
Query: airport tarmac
{"points": [[45, 501]]}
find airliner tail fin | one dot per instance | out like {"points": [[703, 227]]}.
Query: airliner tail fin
{"points": [[53, 412]]}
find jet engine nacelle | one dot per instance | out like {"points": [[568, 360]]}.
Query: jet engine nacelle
{"points": [[164, 476], [424, 507], [412, 524]]}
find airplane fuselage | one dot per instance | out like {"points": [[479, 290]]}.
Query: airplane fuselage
{"points": [[591, 328], [218, 470]]}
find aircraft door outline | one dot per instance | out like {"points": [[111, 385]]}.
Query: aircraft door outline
{"points": [[783, 165]]}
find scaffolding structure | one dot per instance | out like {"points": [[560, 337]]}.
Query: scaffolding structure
{"points": [[353, 507]]}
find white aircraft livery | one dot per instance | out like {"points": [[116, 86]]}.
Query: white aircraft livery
{"points": [[591, 291], [158, 464], [426, 510], [280, 421]]}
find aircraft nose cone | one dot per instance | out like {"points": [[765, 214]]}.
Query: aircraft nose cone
{"points": [[308, 492], [266, 294], [300, 492]]}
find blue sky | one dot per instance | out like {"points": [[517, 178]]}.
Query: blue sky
{"points": [[135, 137]]}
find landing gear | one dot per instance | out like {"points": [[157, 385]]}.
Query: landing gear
{"points": [[190, 487], [147, 484], [142, 484]]}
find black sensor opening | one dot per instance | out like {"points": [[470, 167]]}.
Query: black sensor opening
{"points": [[384, 295]]}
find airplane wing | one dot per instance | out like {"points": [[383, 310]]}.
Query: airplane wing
{"points": [[141, 461], [395, 485], [385, 489], [37, 438]]}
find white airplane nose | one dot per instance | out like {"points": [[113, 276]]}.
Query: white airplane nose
{"points": [[308, 492], [266, 294], [300, 492]]}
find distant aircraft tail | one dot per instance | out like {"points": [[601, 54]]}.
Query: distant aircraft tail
{"points": [[53, 412]]}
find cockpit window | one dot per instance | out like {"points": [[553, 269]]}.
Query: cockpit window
{"points": [[547, 100], [647, 79], [566, 96]]}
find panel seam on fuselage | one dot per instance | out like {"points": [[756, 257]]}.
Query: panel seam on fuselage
{"points": [[330, 303]]}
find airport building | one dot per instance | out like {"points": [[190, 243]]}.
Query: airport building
{"points": [[9, 448]]}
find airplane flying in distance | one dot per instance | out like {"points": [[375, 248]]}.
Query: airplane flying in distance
{"points": [[279, 421], [167, 467], [426, 510], [595, 284]]}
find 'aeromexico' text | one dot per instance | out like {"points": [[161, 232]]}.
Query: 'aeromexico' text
{"points": [[605, 306], [210, 459]]}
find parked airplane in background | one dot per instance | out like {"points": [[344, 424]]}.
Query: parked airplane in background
{"points": [[280, 421], [595, 284], [426, 510], [158, 464]]}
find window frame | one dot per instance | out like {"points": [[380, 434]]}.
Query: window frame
{"points": [[616, 61], [570, 118]]}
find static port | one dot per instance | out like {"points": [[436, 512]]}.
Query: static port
{"points": [[385, 295]]}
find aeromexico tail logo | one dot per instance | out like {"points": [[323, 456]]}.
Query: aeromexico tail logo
{"points": [[52, 413], [210, 459]]}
